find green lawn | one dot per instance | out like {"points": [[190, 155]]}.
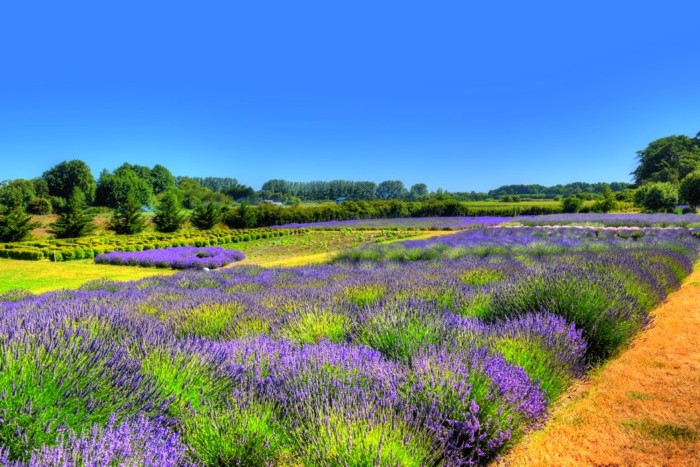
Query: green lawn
{"points": [[43, 276]]}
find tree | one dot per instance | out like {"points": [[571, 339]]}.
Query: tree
{"points": [[206, 216], [572, 204], [657, 197], [41, 188], [690, 189], [127, 218], [169, 216], [73, 220], [112, 189], [161, 179], [391, 189], [418, 191], [668, 159], [277, 186], [16, 224], [65, 177], [242, 217]]}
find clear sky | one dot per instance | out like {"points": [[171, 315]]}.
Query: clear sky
{"points": [[459, 95]]}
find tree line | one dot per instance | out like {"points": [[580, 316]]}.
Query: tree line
{"points": [[668, 173]]}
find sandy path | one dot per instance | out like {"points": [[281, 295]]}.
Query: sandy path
{"points": [[642, 408]]}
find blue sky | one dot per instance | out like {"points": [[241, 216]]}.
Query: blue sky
{"points": [[457, 95]]}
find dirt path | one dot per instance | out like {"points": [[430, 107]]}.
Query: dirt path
{"points": [[642, 408]]}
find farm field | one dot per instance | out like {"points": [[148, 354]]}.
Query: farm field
{"points": [[313, 246], [318, 245], [430, 351]]}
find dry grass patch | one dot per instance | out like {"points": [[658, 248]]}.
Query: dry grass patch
{"points": [[642, 408]]}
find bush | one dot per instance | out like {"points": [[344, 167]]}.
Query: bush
{"points": [[599, 305], [572, 204], [607, 203], [39, 206], [657, 197], [690, 189]]}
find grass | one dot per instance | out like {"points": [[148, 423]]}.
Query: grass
{"points": [[44, 276], [661, 431]]}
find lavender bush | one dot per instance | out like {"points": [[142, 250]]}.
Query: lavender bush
{"points": [[181, 257], [138, 442]]}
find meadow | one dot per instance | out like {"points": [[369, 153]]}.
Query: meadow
{"points": [[432, 351]]}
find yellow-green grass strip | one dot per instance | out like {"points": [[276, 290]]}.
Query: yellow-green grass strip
{"points": [[45, 276]]}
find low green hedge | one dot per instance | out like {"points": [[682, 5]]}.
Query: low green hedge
{"points": [[89, 247]]}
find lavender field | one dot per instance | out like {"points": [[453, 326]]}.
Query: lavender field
{"points": [[436, 352]]}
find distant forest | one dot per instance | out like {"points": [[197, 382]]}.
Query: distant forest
{"points": [[48, 193], [668, 174]]}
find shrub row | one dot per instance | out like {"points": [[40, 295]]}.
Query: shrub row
{"points": [[266, 215], [89, 247]]}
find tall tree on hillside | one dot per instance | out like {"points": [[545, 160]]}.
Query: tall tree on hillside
{"points": [[65, 177], [15, 224], [169, 216], [73, 220], [206, 216], [112, 189], [14, 192], [668, 159], [161, 179], [127, 218]]}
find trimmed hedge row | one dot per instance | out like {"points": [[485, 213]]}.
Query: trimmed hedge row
{"points": [[89, 247]]}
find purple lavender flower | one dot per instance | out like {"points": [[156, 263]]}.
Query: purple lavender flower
{"points": [[139, 441], [181, 257]]}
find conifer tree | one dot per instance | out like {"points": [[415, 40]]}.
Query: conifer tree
{"points": [[73, 219], [15, 224], [127, 218], [169, 216], [206, 216]]}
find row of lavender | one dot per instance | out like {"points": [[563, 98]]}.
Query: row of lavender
{"points": [[523, 240], [181, 257], [459, 223], [439, 362]]}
